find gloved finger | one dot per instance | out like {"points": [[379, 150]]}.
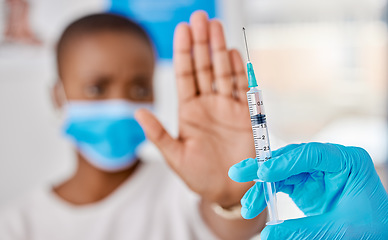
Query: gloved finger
{"points": [[285, 149], [281, 187], [297, 179], [305, 158], [316, 227], [244, 171], [287, 186], [331, 225], [253, 202]]}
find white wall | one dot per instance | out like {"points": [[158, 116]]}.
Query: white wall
{"points": [[32, 151]]}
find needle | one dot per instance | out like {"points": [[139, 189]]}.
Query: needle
{"points": [[246, 44]]}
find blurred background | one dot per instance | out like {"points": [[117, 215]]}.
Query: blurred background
{"points": [[323, 67]]}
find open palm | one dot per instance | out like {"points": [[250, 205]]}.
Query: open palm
{"points": [[214, 127]]}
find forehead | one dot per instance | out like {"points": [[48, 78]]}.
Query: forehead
{"points": [[108, 51]]}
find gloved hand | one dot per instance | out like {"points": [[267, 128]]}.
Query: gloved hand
{"points": [[335, 186]]}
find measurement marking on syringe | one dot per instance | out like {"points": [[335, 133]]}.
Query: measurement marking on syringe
{"points": [[261, 126], [260, 135]]}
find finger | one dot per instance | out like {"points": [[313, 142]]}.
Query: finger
{"points": [[281, 187], [253, 202], [315, 227], [295, 184], [305, 158], [221, 62], [301, 178], [239, 73], [199, 25], [244, 171], [183, 63], [285, 149], [156, 133]]}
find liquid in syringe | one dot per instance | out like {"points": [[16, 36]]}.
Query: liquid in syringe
{"points": [[260, 136]]}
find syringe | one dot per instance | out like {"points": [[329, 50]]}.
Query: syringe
{"points": [[260, 136]]}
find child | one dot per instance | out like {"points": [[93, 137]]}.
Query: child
{"points": [[105, 65]]}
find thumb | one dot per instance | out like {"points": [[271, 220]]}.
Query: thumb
{"points": [[158, 135], [315, 227]]}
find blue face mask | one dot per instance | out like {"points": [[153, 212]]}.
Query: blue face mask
{"points": [[105, 132]]}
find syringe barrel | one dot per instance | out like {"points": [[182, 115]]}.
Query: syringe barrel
{"points": [[270, 198], [262, 146], [259, 124]]}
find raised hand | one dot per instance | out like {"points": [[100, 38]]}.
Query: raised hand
{"points": [[214, 123]]}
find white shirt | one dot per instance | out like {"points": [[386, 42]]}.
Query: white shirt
{"points": [[152, 204]]}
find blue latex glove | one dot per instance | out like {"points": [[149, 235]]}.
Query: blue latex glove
{"points": [[335, 186]]}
